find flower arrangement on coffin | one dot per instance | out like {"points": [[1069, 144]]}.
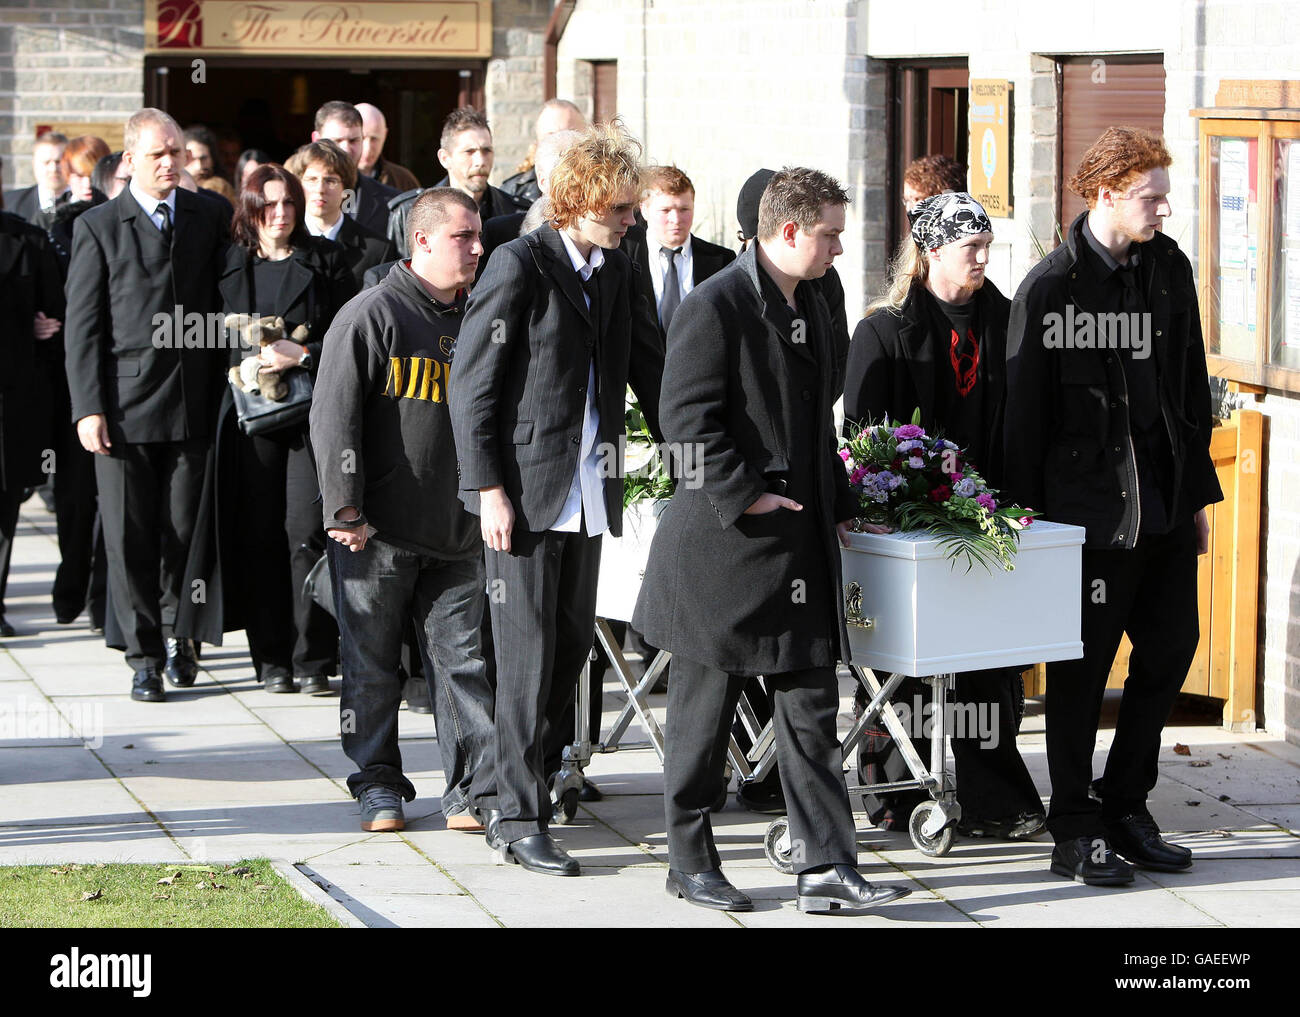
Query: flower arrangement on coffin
{"points": [[909, 480], [645, 475]]}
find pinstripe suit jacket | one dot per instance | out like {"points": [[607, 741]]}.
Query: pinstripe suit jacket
{"points": [[519, 385]]}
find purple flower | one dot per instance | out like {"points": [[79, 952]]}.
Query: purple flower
{"points": [[964, 488], [986, 500], [916, 463], [908, 431]]}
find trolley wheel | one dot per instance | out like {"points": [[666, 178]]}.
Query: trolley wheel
{"points": [[566, 808], [776, 845], [936, 846]]}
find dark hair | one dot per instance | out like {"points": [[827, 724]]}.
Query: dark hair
{"points": [[248, 155], [250, 210], [203, 135], [105, 170], [336, 109], [463, 119], [51, 138], [430, 208], [797, 195]]}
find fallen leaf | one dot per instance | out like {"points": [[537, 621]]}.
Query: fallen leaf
{"points": [[168, 880], [243, 870], [1199, 762], [202, 886], [1193, 803], [1224, 756], [131, 746], [261, 886], [92, 895], [218, 886], [162, 896], [60, 872], [245, 875], [1182, 750], [1221, 833], [1224, 798]]}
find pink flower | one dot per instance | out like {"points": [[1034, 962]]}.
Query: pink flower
{"points": [[1026, 520], [986, 501], [856, 476], [845, 454], [908, 431]]}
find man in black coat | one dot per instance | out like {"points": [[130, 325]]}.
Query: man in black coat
{"points": [[467, 155], [51, 187], [31, 308], [1108, 427], [743, 576], [327, 174], [340, 123], [551, 337], [143, 276]]}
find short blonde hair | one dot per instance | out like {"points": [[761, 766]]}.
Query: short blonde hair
{"points": [[594, 172]]}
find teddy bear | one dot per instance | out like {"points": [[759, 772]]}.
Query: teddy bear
{"points": [[251, 375]]}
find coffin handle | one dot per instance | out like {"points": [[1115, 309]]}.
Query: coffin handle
{"points": [[853, 607]]}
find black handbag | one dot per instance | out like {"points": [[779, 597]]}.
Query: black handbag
{"points": [[260, 415]]}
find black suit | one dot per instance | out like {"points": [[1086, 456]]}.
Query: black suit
{"points": [[500, 229], [363, 249], [158, 400], [372, 204], [706, 260], [25, 202], [523, 359]]}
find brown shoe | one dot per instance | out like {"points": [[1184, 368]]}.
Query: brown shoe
{"points": [[465, 822]]}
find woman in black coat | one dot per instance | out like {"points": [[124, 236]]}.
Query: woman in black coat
{"points": [[264, 531], [937, 341]]}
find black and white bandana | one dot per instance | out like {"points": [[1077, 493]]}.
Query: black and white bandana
{"points": [[942, 218]]}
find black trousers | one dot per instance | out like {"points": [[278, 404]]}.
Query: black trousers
{"points": [[1150, 594], [992, 779], [542, 596], [148, 499], [701, 702], [10, 501], [280, 539], [81, 576]]}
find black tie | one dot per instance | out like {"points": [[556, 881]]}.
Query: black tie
{"points": [[165, 229], [672, 295], [590, 287]]}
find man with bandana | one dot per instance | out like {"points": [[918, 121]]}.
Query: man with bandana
{"points": [[936, 340], [1115, 436]]}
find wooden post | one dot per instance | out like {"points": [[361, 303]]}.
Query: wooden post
{"points": [[1239, 707]]}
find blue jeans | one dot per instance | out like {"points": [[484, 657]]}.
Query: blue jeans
{"points": [[375, 591]]}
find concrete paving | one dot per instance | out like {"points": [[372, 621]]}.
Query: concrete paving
{"points": [[224, 771]]}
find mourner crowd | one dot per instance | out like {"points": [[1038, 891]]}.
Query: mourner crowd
{"points": [[329, 484]]}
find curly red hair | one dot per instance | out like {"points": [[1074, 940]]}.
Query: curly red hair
{"points": [[594, 173], [1116, 160]]}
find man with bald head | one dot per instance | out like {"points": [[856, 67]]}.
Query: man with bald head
{"points": [[556, 115], [374, 132]]}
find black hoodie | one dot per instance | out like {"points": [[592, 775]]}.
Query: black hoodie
{"points": [[379, 421]]}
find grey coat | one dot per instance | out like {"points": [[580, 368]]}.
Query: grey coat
{"points": [[749, 408]]}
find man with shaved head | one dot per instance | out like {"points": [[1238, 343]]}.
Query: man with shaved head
{"points": [[374, 132]]}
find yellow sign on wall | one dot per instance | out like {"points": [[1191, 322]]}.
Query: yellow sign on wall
{"points": [[990, 145], [390, 28], [110, 131]]}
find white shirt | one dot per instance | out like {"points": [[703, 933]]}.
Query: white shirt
{"points": [[587, 490], [150, 205], [659, 267], [46, 198], [330, 233]]}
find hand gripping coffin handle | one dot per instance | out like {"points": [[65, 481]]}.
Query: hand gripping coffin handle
{"points": [[853, 607]]}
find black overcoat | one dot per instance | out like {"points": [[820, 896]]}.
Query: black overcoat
{"points": [[721, 587], [321, 271], [896, 359]]}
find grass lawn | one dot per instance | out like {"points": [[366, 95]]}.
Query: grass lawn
{"points": [[245, 895]]}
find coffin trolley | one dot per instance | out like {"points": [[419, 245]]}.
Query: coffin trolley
{"points": [[912, 611]]}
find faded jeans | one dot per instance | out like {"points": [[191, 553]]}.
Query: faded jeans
{"points": [[375, 591]]}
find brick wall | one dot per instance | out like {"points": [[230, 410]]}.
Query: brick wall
{"points": [[515, 88], [77, 60]]}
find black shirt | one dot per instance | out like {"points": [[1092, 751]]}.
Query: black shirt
{"points": [[268, 280], [961, 375]]}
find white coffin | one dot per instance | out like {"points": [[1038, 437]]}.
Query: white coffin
{"points": [[622, 560], [928, 615]]}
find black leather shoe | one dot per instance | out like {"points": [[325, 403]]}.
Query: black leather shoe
{"points": [[181, 667], [280, 683], [540, 853], [315, 685], [590, 792], [1090, 860], [491, 819], [707, 890], [1019, 827], [1137, 838], [146, 686], [6, 629], [842, 888], [416, 693]]}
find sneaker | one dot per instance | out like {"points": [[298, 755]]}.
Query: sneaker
{"points": [[381, 809]]}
